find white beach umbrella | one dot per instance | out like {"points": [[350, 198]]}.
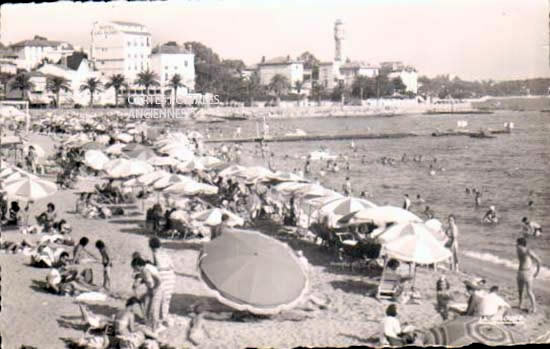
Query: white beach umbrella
{"points": [[344, 206], [181, 154], [102, 139], [29, 188], [115, 148], [214, 217], [211, 162], [162, 161], [95, 159], [150, 178], [170, 147], [231, 170], [254, 173], [191, 188], [189, 166], [121, 168], [124, 137], [417, 245], [168, 180], [381, 215]]}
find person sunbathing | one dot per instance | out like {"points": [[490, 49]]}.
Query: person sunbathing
{"points": [[46, 257], [126, 333]]}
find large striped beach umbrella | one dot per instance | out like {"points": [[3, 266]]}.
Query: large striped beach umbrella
{"points": [[250, 271], [464, 331], [29, 188], [344, 206], [380, 215]]}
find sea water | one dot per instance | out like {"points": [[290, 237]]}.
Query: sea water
{"points": [[510, 170]]}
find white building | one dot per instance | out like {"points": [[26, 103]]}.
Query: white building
{"points": [[293, 70], [168, 61], [77, 69], [31, 52], [408, 75], [121, 48], [351, 70]]}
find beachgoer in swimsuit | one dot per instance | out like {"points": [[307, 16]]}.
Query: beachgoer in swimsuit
{"points": [[407, 202], [452, 243], [106, 262], [530, 228], [125, 331], [525, 275], [163, 262], [490, 216]]}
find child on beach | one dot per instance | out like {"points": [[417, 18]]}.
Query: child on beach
{"points": [[80, 249], [107, 264], [443, 297]]}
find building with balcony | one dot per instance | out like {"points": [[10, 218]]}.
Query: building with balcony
{"points": [[120, 48]]}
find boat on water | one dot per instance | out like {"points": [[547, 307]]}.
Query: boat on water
{"points": [[481, 135]]}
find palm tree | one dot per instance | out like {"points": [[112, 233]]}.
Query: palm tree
{"points": [[116, 81], [23, 83], [279, 84], [56, 84], [298, 86], [4, 79], [175, 83], [93, 85], [146, 79]]}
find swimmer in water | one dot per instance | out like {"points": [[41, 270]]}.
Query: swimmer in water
{"points": [[525, 274], [490, 216], [530, 228]]}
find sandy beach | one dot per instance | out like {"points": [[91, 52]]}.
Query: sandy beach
{"points": [[33, 317]]}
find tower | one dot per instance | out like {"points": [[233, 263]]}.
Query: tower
{"points": [[339, 37]]}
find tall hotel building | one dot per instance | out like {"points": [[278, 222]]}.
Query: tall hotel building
{"points": [[121, 48]]}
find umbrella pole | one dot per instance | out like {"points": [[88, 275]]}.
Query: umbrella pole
{"points": [[414, 277]]}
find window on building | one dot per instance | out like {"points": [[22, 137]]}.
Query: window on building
{"points": [[176, 67], [129, 43], [166, 68], [185, 63], [147, 41]]}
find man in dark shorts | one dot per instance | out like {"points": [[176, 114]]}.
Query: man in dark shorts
{"points": [[525, 275]]}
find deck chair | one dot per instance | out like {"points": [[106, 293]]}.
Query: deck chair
{"points": [[390, 284]]}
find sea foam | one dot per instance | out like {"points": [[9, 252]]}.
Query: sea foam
{"points": [[488, 257]]}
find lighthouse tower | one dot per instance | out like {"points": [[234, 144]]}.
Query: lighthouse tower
{"points": [[339, 37]]}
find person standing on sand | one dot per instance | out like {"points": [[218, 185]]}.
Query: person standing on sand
{"points": [[452, 243], [163, 262], [525, 275], [347, 187], [106, 262]]}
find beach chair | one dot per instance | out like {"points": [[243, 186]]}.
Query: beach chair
{"points": [[390, 284]]}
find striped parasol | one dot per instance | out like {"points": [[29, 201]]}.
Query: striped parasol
{"points": [[29, 188]]}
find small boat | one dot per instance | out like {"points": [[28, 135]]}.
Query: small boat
{"points": [[481, 135]]}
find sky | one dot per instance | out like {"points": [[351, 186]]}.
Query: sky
{"points": [[471, 39]]}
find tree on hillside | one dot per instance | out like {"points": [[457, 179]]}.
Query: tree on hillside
{"points": [[235, 64], [147, 79], [171, 43], [92, 85], [317, 91], [22, 82], [116, 81], [279, 85], [56, 84]]}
